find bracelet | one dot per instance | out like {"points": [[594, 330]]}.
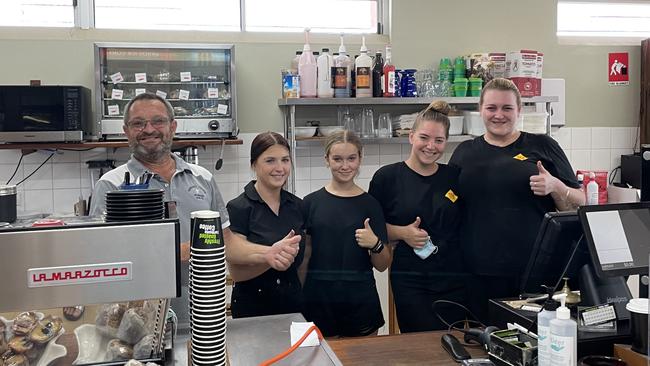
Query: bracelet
{"points": [[378, 247]]}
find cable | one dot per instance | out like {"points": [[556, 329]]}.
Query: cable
{"points": [[467, 312], [35, 170], [17, 166], [559, 280], [612, 174], [292, 348]]}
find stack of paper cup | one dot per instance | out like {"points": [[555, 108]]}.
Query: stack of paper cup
{"points": [[207, 285]]}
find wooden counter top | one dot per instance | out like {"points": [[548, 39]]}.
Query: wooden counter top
{"points": [[403, 349]]}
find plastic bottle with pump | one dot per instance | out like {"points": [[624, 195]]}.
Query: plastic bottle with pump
{"points": [[341, 70], [564, 337], [363, 68], [325, 63], [592, 190], [544, 318], [389, 74], [307, 70]]}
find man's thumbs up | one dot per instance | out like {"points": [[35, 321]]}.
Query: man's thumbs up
{"points": [[417, 222]]}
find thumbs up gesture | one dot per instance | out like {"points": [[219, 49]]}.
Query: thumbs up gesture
{"points": [[413, 235], [544, 182], [366, 238], [282, 253]]}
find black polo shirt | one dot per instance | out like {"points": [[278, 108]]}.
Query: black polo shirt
{"points": [[252, 217]]}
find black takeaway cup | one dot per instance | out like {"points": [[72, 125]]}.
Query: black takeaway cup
{"points": [[205, 230], [639, 324]]}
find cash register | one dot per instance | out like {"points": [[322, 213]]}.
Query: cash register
{"points": [[597, 248]]}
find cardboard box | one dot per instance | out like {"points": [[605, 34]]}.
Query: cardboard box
{"points": [[625, 353]]}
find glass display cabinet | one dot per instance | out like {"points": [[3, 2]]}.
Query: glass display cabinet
{"points": [[197, 79]]}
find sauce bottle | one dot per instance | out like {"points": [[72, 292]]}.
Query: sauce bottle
{"points": [[325, 63], [363, 68], [377, 76], [307, 71], [389, 75], [341, 73]]}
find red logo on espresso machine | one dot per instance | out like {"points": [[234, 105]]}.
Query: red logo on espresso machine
{"points": [[79, 274]]}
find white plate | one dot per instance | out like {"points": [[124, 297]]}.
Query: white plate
{"points": [[51, 352], [91, 343]]}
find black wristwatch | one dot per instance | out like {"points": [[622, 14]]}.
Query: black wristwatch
{"points": [[378, 247]]}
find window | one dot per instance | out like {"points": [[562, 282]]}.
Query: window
{"points": [[203, 15], [37, 13], [328, 16], [609, 20], [322, 16]]}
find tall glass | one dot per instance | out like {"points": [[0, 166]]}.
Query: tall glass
{"points": [[367, 123], [384, 126]]}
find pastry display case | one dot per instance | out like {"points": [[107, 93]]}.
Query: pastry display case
{"points": [[123, 273], [198, 80]]}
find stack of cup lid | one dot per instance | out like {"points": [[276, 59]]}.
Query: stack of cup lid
{"points": [[136, 204], [207, 287]]}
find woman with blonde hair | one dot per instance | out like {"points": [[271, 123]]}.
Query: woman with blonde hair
{"points": [[421, 205], [346, 239], [508, 180]]}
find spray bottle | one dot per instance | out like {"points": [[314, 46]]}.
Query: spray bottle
{"points": [[544, 318], [307, 70], [564, 337]]}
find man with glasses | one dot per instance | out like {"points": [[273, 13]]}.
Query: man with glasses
{"points": [[149, 125]]}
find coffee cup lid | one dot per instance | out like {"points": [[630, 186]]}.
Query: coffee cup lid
{"points": [[205, 214], [639, 306]]}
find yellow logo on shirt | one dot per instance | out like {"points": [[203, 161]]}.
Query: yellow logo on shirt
{"points": [[520, 157], [451, 196]]}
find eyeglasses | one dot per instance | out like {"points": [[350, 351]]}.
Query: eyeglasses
{"points": [[140, 124]]}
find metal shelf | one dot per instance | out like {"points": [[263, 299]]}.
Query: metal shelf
{"points": [[317, 140], [164, 82], [286, 102]]}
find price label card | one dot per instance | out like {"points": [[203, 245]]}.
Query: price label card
{"points": [[114, 110], [161, 94], [140, 77], [184, 94], [186, 76], [222, 109], [117, 94], [213, 93], [117, 78], [139, 91]]}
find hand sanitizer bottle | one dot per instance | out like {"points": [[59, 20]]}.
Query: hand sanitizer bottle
{"points": [[564, 337], [592, 190], [544, 318]]}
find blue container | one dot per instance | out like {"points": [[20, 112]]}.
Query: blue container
{"points": [[408, 86]]}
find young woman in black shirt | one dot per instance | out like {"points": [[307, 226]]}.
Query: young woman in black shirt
{"points": [[508, 180], [267, 214], [346, 236], [420, 201]]}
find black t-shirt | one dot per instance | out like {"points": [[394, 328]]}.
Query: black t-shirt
{"points": [[332, 221], [502, 215], [252, 217], [404, 195]]}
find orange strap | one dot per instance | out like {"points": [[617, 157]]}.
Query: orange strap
{"points": [[287, 352]]}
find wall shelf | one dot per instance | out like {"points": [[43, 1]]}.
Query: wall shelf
{"points": [[86, 145], [286, 102]]}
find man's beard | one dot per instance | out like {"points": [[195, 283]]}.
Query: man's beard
{"points": [[151, 155]]}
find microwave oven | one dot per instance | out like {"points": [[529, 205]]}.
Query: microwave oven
{"points": [[53, 113]]}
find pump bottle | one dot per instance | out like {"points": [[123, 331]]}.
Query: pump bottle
{"points": [[544, 318], [307, 70], [564, 337], [363, 68], [341, 70], [592, 190]]}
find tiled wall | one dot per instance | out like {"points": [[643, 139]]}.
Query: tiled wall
{"points": [[65, 177]]}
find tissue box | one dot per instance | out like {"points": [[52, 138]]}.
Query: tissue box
{"points": [[617, 194]]}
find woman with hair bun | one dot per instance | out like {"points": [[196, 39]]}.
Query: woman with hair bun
{"points": [[266, 214], [420, 201]]}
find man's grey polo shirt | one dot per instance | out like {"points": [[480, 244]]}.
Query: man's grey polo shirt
{"points": [[192, 187]]}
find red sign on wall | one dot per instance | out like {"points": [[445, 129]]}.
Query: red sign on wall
{"points": [[618, 69]]}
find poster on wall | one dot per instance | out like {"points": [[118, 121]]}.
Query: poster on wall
{"points": [[618, 69]]}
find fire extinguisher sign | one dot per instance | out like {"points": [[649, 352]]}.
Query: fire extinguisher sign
{"points": [[618, 68]]}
